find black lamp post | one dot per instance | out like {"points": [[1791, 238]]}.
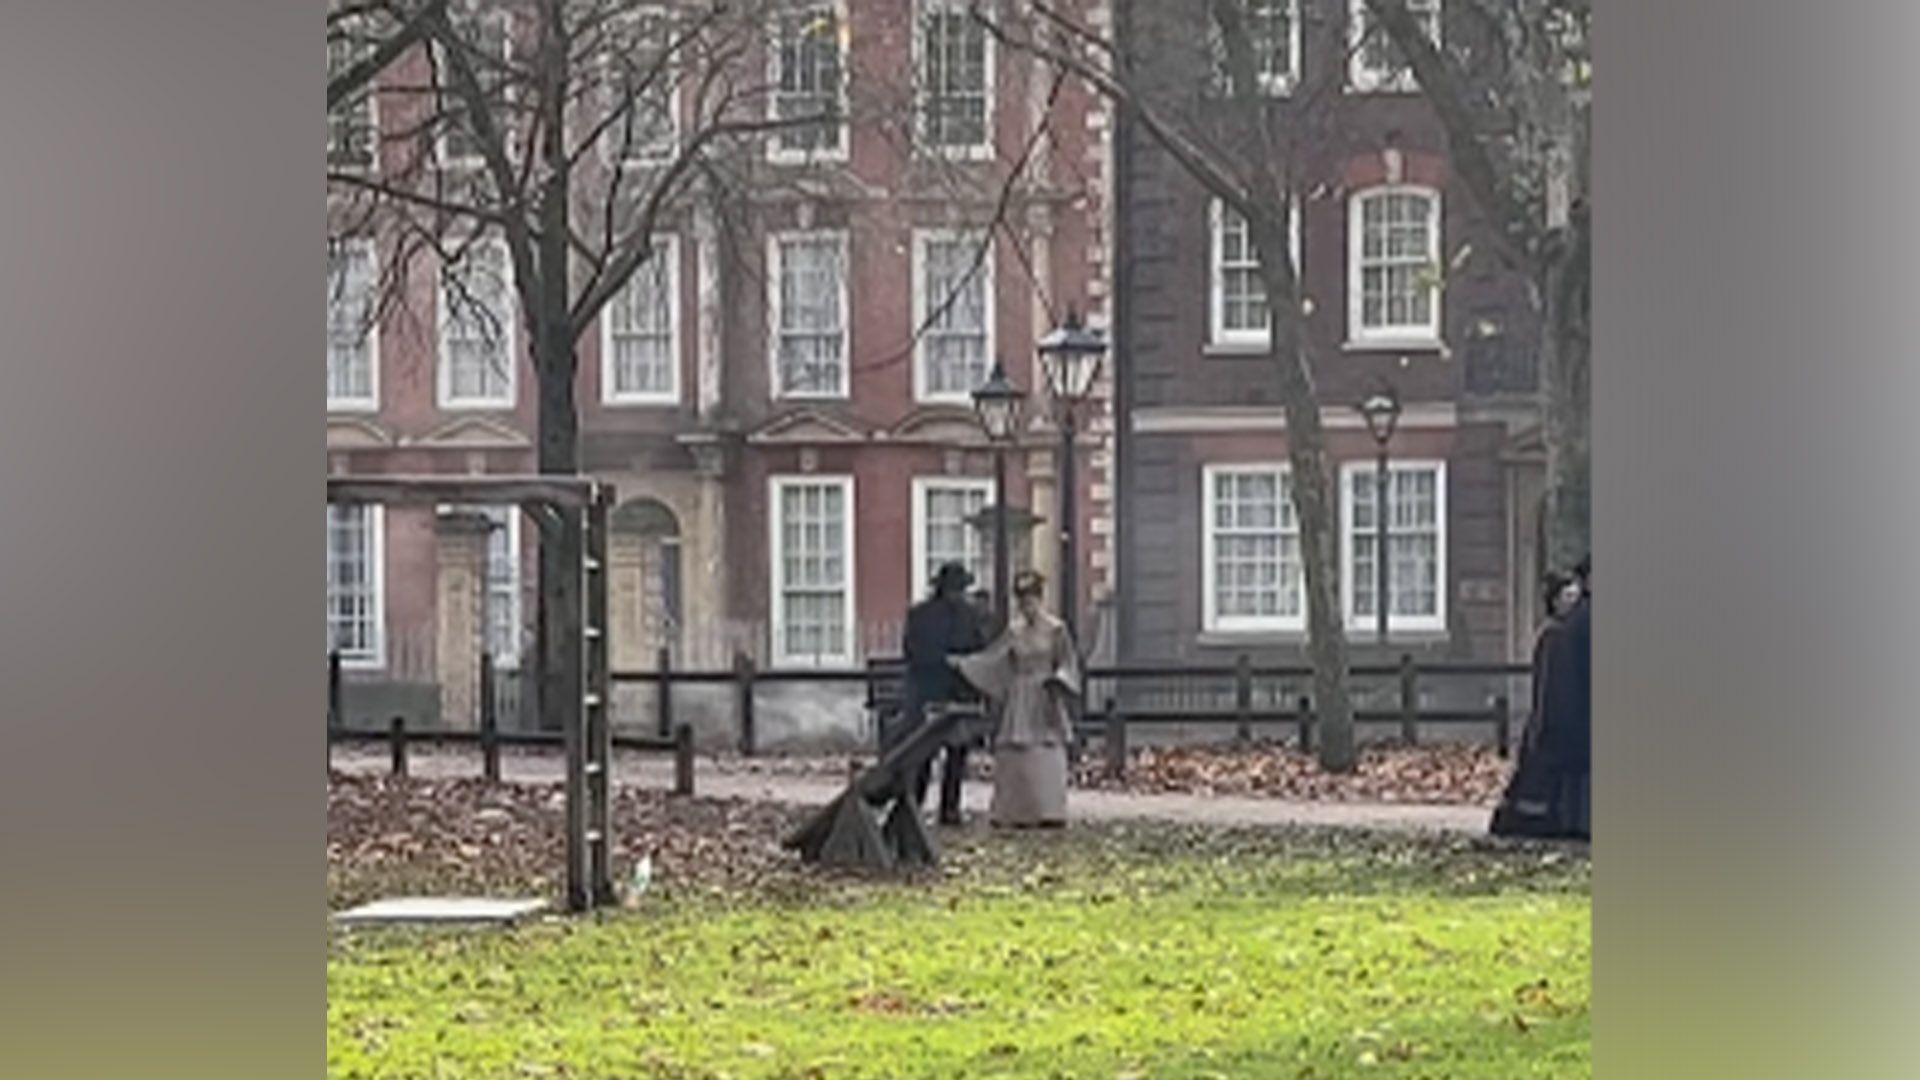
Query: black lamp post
{"points": [[1382, 411], [1071, 356], [999, 404]]}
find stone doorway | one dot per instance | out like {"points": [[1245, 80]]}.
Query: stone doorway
{"points": [[645, 575]]}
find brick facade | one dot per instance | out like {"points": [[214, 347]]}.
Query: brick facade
{"points": [[692, 474]]}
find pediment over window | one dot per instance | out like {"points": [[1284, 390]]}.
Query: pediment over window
{"points": [[807, 426], [946, 425], [354, 433], [474, 433]]}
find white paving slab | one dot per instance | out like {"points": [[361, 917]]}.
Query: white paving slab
{"points": [[441, 910]]}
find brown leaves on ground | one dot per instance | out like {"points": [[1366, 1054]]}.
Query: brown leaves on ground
{"points": [[387, 835], [1454, 773]]}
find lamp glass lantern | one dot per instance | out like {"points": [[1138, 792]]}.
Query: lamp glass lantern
{"points": [[1382, 412], [1071, 355], [998, 403]]}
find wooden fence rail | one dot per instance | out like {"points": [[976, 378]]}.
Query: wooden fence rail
{"points": [[881, 678]]}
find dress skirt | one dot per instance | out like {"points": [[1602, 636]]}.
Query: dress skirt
{"points": [[1029, 785]]}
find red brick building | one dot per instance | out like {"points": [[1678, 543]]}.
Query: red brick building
{"points": [[1399, 286], [781, 397]]}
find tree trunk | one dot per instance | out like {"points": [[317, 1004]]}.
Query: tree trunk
{"points": [[1312, 501], [1566, 384], [555, 364], [561, 545]]}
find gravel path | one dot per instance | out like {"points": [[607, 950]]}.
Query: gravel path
{"points": [[810, 784]]}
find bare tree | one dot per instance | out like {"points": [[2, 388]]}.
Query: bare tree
{"points": [[366, 37], [1515, 98], [1202, 79], [535, 149], [531, 152]]}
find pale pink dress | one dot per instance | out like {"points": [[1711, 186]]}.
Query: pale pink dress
{"points": [[1029, 672]]}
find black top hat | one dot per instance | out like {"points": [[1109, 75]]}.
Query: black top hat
{"points": [[952, 576]]}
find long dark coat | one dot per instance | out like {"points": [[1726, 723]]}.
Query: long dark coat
{"points": [[1550, 794], [937, 628]]}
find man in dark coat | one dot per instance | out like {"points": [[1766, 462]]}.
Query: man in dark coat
{"points": [[940, 626], [1551, 791]]}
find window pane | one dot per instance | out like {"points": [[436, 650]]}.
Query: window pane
{"points": [[640, 85], [808, 79], [1255, 552], [954, 94], [814, 570], [1415, 533], [811, 338], [954, 336], [642, 318], [350, 310], [479, 325], [350, 125], [352, 603]]}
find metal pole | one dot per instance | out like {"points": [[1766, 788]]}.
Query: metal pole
{"points": [[1000, 553], [1069, 594], [1380, 546]]}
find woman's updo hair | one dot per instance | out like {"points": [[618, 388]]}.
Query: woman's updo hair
{"points": [[1551, 587], [1029, 583]]}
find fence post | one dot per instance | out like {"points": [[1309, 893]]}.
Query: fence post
{"points": [[683, 760], [1502, 720], [334, 722], [1306, 724], [743, 675], [489, 722], [663, 663], [1116, 740], [1409, 700], [397, 744], [1243, 697]]}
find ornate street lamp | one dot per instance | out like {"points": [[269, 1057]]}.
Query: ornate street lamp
{"points": [[1382, 412], [999, 405], [1070, 356]]}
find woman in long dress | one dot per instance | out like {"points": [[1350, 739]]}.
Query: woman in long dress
{"points": [[1549, 793], [1032, 673]]}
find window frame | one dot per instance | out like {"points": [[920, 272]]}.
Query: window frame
{"points": [[1212, 621], [371, 402], [1363, 627], [838, 151], [1217, 332], [776, 570], [982, 150], [1283, 85], [483, 12], [610, 139], [1359, 335], [368, 95], [923, 305], [443, 389], [667, 250], [374, 659], [1364, 79], [776, 261], [922, 513]]}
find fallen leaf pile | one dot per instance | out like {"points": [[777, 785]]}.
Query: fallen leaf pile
{"points": [[464, 836], [1438, 773]]}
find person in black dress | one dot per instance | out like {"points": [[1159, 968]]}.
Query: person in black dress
{"points": [[1550, 794]]}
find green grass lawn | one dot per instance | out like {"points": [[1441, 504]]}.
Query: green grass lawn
{"points": [[1147, 953]]}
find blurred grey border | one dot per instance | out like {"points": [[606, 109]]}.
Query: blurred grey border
{"points": [[1755, 380], [160, 557], [1757, 309]]}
